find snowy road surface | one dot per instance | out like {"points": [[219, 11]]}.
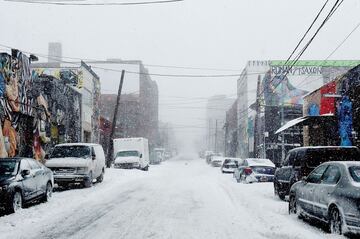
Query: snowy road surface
{"points": [[181, 198]]}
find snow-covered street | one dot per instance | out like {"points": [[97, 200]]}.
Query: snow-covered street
{"points": [[181, 198]]}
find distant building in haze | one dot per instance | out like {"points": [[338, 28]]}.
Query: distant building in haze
{"points": [[215, 119]]}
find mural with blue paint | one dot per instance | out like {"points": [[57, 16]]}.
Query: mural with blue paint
{"points": [[314, 110], [345, 121]]}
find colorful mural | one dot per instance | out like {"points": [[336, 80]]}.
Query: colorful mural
{"points": [[30, 106], [278, 90], [341, 98]]}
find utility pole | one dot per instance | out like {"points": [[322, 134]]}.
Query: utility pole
{"points": [[216, 123], [109, 157], [282, 119], [256, 123]]}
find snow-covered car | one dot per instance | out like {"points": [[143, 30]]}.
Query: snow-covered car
{"points": [[330, 193], [23, 180], [217, 161], [77, 163], [230, 164], [255, 170], [208, 155]]}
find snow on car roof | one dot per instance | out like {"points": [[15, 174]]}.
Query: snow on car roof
{"points": [[235, 159], [77, 144], [218, 158], [259, 162]]}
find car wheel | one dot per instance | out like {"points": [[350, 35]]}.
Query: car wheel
{"points": [[101, 177], [17, 202], [48, 192], [275, 189], [279, 194], [336, 222], [292, 205], [88, 182]]}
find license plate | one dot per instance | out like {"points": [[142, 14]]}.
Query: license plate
{"points": [[263, 179]]}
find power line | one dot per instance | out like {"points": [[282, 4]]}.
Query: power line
{"points": [[132, 72], [141, 73], [93, 4], [293, 63], [337, 48], [307, 31], [184, 75]]}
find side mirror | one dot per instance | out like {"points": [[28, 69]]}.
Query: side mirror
{"points": [[47, 156], [93, 156], [140, 155], [304, 178], [25, 172]]}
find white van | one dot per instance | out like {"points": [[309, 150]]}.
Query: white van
{"points": [[77, 163]]}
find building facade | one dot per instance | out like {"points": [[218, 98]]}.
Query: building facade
{"points": [[333, 112], [269, 95], [231, 131]]}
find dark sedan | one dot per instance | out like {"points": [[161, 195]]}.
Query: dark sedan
{"points": [[331, 193], [23, 180]]}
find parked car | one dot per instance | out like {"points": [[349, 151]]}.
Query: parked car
{"points": [[217, 161], [208, 155], [230, 164], [23, 180], [255, 170], [301, 161], [330, 193], [79, 163]]}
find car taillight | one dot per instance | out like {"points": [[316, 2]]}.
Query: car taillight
{"points": [[248, 171]]}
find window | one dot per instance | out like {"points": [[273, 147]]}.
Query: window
{"points": [[355, 173], [286, 161], [8, 168], [263, 170], [73, 151], [315, 176], [33, 164], [299, 158], [292, 158], [24, 165], [332, 175]]}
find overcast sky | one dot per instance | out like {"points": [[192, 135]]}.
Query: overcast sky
{"points": [[196, 33]]}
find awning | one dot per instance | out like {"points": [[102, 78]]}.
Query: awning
{"points": [[306, 120]]}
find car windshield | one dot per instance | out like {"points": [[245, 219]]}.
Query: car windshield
{"points": [[74, 151], [8, 168], [263, 170], [132, 153], [355, 173]]}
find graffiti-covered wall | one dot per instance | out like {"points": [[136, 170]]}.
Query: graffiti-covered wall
{"points": [[340, 98], [84, 80], [33, 108]]}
